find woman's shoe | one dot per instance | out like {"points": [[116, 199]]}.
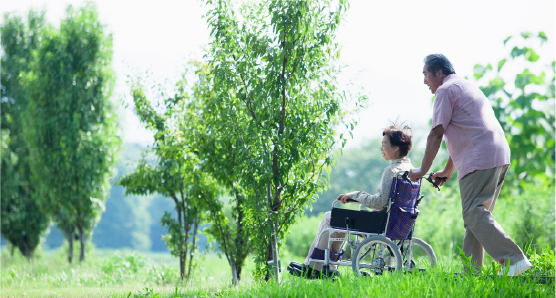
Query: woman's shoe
{"points": [[305, 271], [301, 270], [328, 273]]}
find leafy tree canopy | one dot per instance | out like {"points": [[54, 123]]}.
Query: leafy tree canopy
{"points": [[524, 106]]}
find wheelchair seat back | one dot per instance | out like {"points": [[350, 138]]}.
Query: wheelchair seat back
{"points": [[361, 221]]}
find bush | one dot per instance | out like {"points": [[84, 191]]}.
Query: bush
{"points": [[528, 218], [301, 235]]}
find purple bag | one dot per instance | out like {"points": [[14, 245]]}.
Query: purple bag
{"points": [[403, 213]]}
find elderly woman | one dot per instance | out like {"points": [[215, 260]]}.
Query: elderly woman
{"points": [[396, 144]]}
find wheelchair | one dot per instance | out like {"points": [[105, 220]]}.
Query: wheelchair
{"points": [[380, 242]]}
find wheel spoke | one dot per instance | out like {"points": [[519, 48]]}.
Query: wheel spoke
{"points": [[376, 255], [419, 255]]}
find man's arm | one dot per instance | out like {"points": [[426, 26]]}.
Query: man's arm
{"points": [[433, 144]]}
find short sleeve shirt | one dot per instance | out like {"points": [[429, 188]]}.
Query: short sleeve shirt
{"points": [[473, 135]]}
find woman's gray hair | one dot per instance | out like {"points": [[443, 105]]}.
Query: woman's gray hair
{"points": [[437, 62], [399, 135]]}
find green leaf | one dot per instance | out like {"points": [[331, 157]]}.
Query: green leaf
{"points": [[543, 37], [526, 34], [501, 64], [516, 52], [507, 39], [479, 70], [531, 55]]}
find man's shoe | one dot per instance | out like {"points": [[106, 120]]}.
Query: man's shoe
{"points": [[517, 268]]}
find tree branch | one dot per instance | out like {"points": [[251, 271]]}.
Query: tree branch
{"points": [[250, 100]]}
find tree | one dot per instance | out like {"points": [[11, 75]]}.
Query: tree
{"points": [[274, 98], [73, 122], [524, 108], [224, 164], [22, 221], [176, 175]]}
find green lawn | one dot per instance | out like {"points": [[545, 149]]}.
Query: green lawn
{"points": [[109, 273]]}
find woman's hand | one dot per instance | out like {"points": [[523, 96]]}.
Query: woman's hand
{"points": [[343, 198]]}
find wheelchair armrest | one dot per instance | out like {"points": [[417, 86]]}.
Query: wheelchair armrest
{"points": [[348, 200]]}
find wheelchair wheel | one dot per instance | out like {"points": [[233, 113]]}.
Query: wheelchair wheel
{"points": [[375, 256], [422, 255]]}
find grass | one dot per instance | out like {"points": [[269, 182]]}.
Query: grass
{"points": [[108, 273]]}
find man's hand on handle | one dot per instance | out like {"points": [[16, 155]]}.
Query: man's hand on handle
{"points": [[437, 179], [441, 177], [416, 174]]}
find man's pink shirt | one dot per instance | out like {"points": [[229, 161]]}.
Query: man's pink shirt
{"points": [[473, 135]]}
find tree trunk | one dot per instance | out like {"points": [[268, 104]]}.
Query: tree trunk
{"points": [[276, 260], [234, 271], [82, 243], [268, 258], [242, 243], [182, 265], [273, 242], [238, 272], [193, 244], [181, 224], [12, 249], [185, 228], [70, 250], [24, 249]]}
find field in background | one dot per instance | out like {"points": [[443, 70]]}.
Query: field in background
{"points": [[106, 273]]}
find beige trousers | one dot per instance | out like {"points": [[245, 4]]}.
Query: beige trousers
{"points": [[323, 243], [479, 191]]}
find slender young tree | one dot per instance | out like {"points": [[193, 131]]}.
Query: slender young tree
{"points": [[176, 175], [274, 98], [73, 122], [224, 164], [23, 222]]}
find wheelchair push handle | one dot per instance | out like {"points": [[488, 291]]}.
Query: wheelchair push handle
{"points": [[427, 177]]}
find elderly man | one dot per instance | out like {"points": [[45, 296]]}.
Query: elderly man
{"points": [[480, 152]]}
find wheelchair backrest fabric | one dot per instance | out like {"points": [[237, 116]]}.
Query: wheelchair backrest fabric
{"points": [[404, 195]]}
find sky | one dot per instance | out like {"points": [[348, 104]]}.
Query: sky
{"points": [[383, 47]]}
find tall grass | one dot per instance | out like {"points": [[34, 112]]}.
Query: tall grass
{"points": [[444, 280], [135, 275]]}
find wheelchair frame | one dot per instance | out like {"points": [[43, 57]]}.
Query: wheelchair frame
{"points": [[385, 245]]}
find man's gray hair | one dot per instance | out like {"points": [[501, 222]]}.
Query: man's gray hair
{"points": [[437, 62]]}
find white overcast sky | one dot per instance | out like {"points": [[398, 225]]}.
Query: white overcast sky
{"points": [[384, 41]]}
